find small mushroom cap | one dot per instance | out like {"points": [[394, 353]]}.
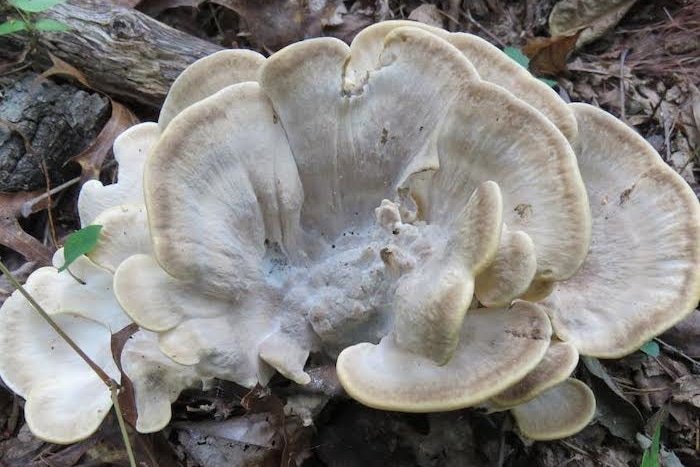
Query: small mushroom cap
{"points": [[497, 348], [642, 273], [130, 151], [556, 366], [510, 273], [66, 400], [207, 76], [157, 380], [561, 411], [430, 302], [124, 233]]}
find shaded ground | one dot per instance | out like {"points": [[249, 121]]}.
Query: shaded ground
{"points": [[646, 70]]}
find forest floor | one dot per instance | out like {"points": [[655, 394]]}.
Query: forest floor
{"points": [[643, 68]]}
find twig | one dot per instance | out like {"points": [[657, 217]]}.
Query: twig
{"points": [[623, 56], [668, 129], [49, 211], [573, 447], [29, 205], [467, 14], [677, 352], [114, 390]]}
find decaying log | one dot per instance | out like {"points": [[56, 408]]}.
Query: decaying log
{"points": [[42, 125], [122, 52]]}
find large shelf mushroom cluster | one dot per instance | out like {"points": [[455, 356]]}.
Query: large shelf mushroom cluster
{"points": [[416, 205]]}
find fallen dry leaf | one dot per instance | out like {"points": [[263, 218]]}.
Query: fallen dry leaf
{"points": [[429, 14], [548, 54], [276, 23], [127, 400], [592, 17], [11, 233], [61, 68], [156, 7], [687, 390], [92, 158]]}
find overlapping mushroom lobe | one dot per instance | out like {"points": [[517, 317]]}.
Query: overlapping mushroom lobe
{"points": [[641, 274]]}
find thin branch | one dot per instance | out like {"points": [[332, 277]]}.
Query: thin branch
{"points": [[122, 426], [623, 56], [677, 352], [28, 206]]}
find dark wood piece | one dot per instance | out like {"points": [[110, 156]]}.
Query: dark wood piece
{"points": [[122, 52]]}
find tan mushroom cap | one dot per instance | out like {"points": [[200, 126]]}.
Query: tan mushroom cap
{"points": [[490, 135], [430, 302], [510, 273], [497, 347], [219, 182], [157, 380], [124, 233], [491, 64], [561, 411], [207, 76], [130, 151], [371, 135], [642, 273], [556, 366]]}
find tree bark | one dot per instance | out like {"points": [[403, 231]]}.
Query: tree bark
{"points": [[122, 52]]}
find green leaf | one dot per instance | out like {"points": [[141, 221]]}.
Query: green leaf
{"points": [[651, 348], [523, 61], [34, 6], [517, 55], [651, 454], [50, 25], [78, 243], [13, 25]]}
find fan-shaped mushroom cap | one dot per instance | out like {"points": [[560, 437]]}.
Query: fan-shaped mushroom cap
{"points": [[124, 233], [66, 400], [556, 366], [130, 151], [560, 411], [510, 273], [157, 380], [642, 273], [497, 347], [491, 63], [430, 302], [220, 181], [206, 76], [198, 81]]}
